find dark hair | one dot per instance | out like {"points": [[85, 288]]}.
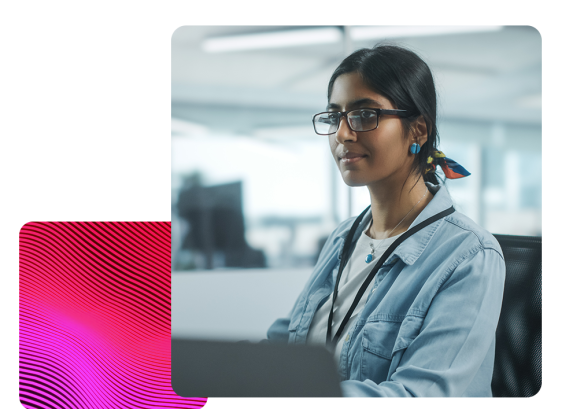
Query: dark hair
{"points": [[404, 79]]}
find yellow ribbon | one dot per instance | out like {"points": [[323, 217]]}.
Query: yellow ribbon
{"points": [[435, 154]]}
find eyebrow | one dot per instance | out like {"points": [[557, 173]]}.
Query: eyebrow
{"points": [[353, 104]]}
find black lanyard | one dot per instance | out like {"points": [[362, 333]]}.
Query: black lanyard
{"points": [[386, 254]]}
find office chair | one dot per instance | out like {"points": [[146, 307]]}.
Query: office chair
{"points": [[517, 371]]}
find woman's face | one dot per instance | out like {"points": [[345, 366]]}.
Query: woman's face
{"points": [[365, 158]]}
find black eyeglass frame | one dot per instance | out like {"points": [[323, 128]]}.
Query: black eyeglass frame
{"points": [[399, 112]]}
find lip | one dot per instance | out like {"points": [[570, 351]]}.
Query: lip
{"points": [[349, 161]]}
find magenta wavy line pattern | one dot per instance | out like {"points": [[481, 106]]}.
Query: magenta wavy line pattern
{"points": [[95, 318]]}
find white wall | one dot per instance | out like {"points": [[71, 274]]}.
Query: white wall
{"points": [[233, 304]]}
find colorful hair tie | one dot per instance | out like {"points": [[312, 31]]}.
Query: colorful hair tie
{"points": [[451, 169]]}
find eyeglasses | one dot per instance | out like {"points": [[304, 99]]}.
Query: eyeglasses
{"points": [[359, 120]]}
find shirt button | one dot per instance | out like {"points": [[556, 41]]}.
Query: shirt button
{"points": [[372, 291], [347, 338]]}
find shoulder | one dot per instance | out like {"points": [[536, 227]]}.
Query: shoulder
{"points": [[458, 227]]}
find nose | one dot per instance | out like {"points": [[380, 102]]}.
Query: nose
{"points": [[345, 133]]}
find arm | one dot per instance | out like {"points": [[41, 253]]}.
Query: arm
{"points": [[278, 331], [455, 337]]}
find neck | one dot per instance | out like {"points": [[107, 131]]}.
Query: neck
{"points": [[391, 202]]}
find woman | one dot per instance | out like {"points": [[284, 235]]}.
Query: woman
{"points": [[408, 294]]}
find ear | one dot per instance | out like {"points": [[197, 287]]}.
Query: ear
{"points": [[420, 131]]}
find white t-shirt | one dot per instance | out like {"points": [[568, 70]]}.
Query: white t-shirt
{"points": [[353, 276]]}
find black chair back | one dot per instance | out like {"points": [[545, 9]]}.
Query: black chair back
{"points": [[517, 371]]}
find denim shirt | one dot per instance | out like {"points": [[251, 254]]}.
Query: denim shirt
{"points": [[428, 325]]}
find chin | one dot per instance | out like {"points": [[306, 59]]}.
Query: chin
{"points": [[354, 181]]}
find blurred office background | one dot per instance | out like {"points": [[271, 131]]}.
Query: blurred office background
{"points": [[255, 191]]}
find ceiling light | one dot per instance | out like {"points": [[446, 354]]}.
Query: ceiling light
{"points": [[181, 127], [274, 39], [530, 101]]}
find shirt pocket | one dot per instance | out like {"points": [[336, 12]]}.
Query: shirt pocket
{"points": [[379, 338]]}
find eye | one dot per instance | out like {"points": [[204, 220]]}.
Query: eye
{"points": [[368, 114], [332, 117]]}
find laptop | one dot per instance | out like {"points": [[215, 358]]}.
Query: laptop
{"points": [[203, 368]]}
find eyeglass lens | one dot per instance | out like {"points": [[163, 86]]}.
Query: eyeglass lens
{"points": [[359, 120]]}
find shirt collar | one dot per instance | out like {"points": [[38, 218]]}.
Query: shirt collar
{"points": [[412, 248]]}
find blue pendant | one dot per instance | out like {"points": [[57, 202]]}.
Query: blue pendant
{"points": [[369, 258]]}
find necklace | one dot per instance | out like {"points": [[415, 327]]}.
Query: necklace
{"points": [[370, 256]]}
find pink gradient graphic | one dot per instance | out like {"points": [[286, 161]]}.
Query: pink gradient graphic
{"points": [[95, 316]]}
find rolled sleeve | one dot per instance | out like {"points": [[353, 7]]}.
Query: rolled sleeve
{"points": [[456, 339], [278, 331]]}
